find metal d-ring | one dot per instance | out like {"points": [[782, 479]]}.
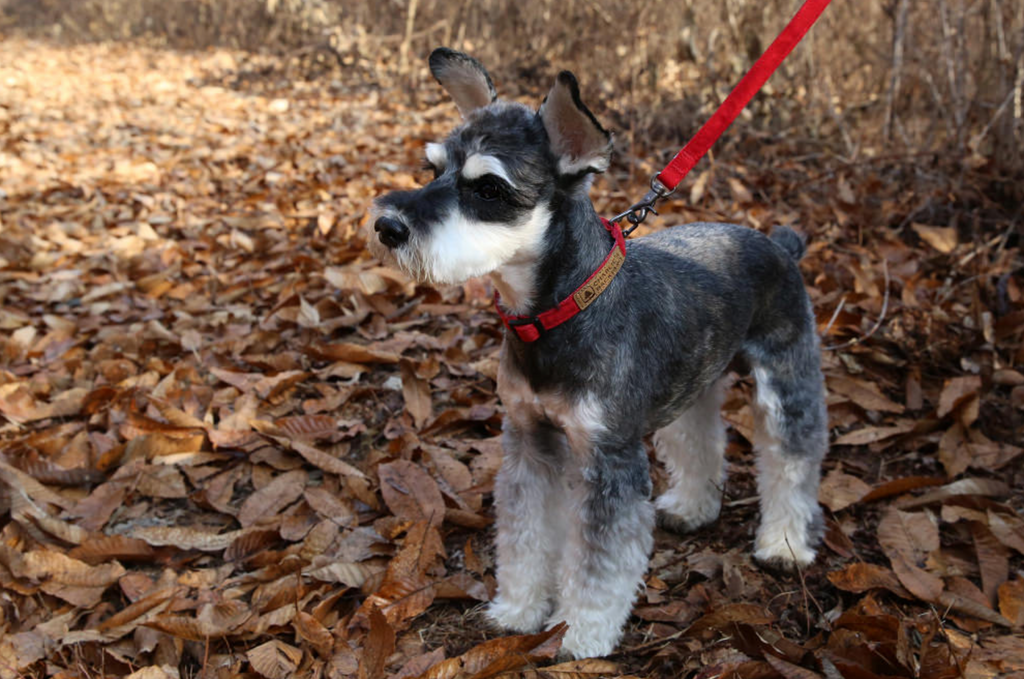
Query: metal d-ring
{"points": [[638, 212]]}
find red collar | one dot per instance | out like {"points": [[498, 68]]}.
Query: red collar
{"points": [[530, 328]]}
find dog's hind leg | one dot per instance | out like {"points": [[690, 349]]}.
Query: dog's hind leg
{"points": [[791, 437], [526, 494], [692, 449], [607, 547]]}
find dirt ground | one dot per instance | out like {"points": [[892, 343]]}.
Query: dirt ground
{"points": [[235, 445]]}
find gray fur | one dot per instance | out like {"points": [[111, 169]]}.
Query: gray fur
{"points": [[687, 303]]}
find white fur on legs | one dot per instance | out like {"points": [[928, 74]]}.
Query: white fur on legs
{"points": [[600, 574], [692, 449], [787, 485], [527, 542]]}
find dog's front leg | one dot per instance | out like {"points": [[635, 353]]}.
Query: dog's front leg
{"points": [[607, 547], [526, 494]]}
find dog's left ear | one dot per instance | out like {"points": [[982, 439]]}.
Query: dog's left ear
{"points": [[577, 139], [464, 78]]}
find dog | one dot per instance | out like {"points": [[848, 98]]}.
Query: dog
{"points": [[660, 320]]}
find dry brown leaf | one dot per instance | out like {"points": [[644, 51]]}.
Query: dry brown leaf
{"points": [[20, 482], [364, 281], [249, 543], [161, 481], [410, 492], [274, 659], [861, 577], [352, 353], [68, 532], [865, 394], [349, 574], [419, 664], [105, 547], [913, 533], [906, 538], [401, 599], [493, 657], [221, 618], [154, 672], [789, 670], [319, 538], [59, 568], [969, 486], [380, 644], [873, 434], [901, 485], [46, 471], [307, 426], [954, 450], [462, 586], [956, 391], [97, 508], [750, 614], [839, 490], [971, 607], [421, 552], [324, 461], [1008, 529], [18, 652], [1011, 601], [180, 626], [942, 238], [184, 537], [153, 602], [329, 506], [574, 669], [266, 502], [416, 392], [314, 633], [993, 559]]}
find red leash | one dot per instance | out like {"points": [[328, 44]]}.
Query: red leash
{"points": [[668, 179], [532, 328]]}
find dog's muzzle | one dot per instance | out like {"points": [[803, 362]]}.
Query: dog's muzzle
{"points": [[391, 232]]}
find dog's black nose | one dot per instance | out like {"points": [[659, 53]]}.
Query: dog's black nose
{"points": [[391, 232]]}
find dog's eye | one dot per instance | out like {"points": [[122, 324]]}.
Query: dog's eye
{"points": [[487, 189]]}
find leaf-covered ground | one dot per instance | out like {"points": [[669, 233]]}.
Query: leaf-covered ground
{"points": [[234, 445]]}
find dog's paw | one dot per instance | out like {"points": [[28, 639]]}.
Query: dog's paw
{"points": [[783, 555], [522, 619], [685, 515], [586, 641], [789, 543]]}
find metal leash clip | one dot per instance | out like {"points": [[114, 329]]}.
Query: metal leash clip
{"points": [[638, 212]]}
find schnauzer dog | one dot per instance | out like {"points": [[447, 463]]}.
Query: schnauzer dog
{"points": [[586, 371]]}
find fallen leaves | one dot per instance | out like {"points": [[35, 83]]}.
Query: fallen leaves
{"points": [[234, 445], [275, 659], [491, 658], [410, 492]]}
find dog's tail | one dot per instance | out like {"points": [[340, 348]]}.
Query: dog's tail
{"points": [[794, 244]]}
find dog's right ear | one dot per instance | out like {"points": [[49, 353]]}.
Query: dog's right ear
{"points": [[464, 78], [577, 139]]}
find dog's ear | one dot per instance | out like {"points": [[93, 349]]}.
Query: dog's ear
{"points": [[577, 139], [464, 78]]}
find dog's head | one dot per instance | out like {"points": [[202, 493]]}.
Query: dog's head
{"points": [[498, 178]]}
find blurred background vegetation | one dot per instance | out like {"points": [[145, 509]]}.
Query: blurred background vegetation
{"points": [[930, 81]]}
